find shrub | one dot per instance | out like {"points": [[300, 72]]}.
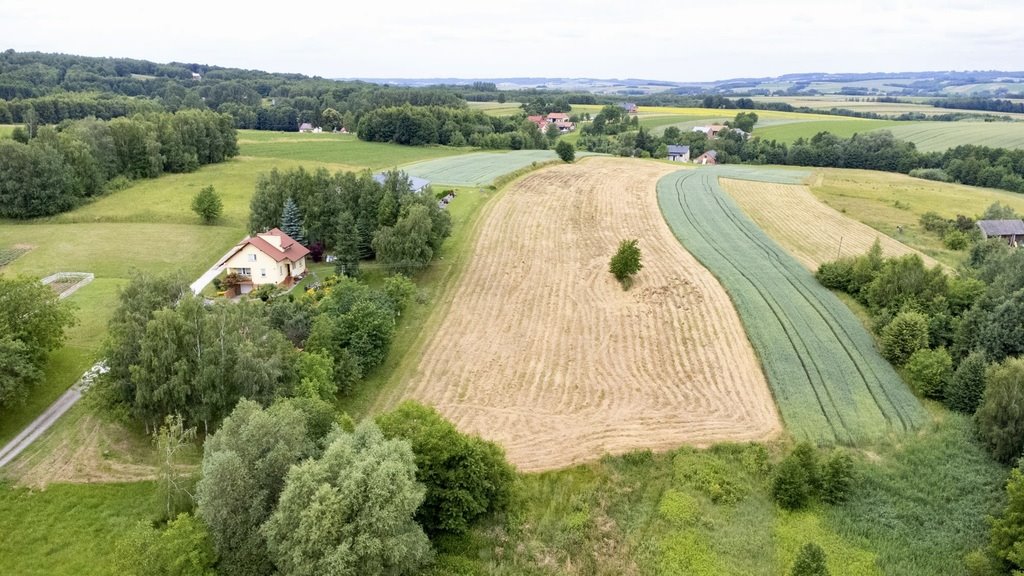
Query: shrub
{"points": [[932, 222], [566, 151], [1000, 419], [937, 174], [967, 384], [929, 371], [791, 488], [837, 478], [836, 275], [466, 477], [906, 334], [810, 561], [955, 240], [207, 205], [626, 261]]}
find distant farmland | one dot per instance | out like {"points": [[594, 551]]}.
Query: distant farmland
{"points": [[479, 168], [335, 149], [829, 381], [940, 136]]}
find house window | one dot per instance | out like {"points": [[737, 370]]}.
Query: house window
{"points": [[252, 257], [263, 272], [245, 271]]}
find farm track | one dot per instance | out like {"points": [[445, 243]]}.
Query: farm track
{"points": [[829, 381], [542, 351], [811, 231]]}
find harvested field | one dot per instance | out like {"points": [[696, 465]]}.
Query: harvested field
{"points": [[808, 229], [541, 350], [830, 383]]}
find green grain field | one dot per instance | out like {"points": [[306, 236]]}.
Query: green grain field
{"points": [[479, 168], [497, 108], [790, 130], [829, 381], [941, 136], [335, 149]]}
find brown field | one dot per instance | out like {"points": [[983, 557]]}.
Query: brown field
{"points": [[807, 228], [541, 350]]}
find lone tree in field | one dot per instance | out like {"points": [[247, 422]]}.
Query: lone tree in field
{"points": [[626, 262], [207, 205], [291, 221], [566, 151]]}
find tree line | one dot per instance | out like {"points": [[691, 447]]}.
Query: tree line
{"points": [[450, 127], [355, 217], [47, 170]]}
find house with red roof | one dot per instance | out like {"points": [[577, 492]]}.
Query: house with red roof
{"points": [[270, 257]]}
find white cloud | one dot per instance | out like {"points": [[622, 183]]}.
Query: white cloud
{"points": [[600, 38]]}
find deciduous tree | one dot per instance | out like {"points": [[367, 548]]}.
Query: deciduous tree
{"points": [[350, 511], [207, 205]]}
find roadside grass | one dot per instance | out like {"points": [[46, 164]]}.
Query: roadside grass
{"points": [[885, 200], [69, 529], [67, 363], [710, 512], [336, 149], [6, 130]]}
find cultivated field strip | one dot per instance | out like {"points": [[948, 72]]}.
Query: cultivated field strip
{"points": [[478, 168], [830, 383], [541, 350], [810, 230]]}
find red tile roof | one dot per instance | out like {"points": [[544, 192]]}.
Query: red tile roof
{"points": [[558, 116], [290, 249]]}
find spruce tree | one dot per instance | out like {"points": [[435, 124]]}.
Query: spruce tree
{"points": [[291, 221]]}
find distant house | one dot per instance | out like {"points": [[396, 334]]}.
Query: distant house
{"points": [[197, 76], [540, 121], [270, 257], [561, 120], [1010, 230], [711, 130], [305, 127], [709, 157], [678, 153], [629, 107], [417, 185]]}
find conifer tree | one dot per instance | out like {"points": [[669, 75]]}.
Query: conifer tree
{"points": [[291, 221]]}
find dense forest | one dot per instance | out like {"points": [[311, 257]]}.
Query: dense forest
{"points": [[46, 170]]}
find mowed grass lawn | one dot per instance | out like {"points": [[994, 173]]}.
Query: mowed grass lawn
{"points": [[343, 149], [69, 529]]}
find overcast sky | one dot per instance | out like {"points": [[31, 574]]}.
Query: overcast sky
{"points": [[697, 40]]}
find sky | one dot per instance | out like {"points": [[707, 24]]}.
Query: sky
{"points": [[697, 40]]}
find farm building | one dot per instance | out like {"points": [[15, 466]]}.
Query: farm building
{"points": [[678, 153], [1010, 230], [710, 131], [307, 127], [708, 158], [416, 185], [629, 107], [197, 76], [270, 257], [559, 119]]}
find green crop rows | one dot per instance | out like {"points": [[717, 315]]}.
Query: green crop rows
{"points": [[479, 168], [829, 381], [940, 136]]}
